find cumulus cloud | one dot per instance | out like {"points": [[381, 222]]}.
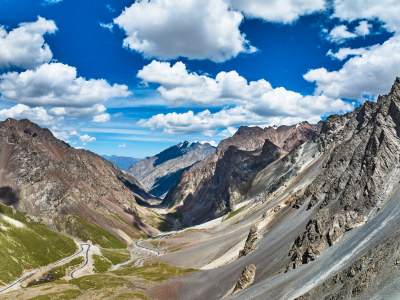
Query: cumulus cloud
{"points": [[38, 115], [387, 11], [255, 102], [24, 46], [168, 29], [209, 123], [280, 11], [122, 146], [57, 85], [343, 53], [178, 86], [96, 111], [86, 139], [369, 74], [340, 33]]}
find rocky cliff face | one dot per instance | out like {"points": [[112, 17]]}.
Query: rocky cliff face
{"points": [[361, 153], [160, 173], [215, 185], [46, 177]]}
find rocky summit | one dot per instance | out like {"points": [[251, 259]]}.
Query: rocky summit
{"points": [[159, 173]]}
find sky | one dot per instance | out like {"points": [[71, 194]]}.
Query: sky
{"points": [[131, 78]]}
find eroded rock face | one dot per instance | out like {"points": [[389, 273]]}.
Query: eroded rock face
{"points": [[246, 279], [361, 164], [159, 173], [49, 179], [214, 186], [251, 241]]}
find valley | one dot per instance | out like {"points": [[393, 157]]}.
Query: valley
{"points": [[313, 214]]}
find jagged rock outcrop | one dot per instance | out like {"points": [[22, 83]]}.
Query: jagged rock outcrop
{"points": [[159, 173], [361, 153], [246, 279], [251, 241], [45, 177], [215, 185]]}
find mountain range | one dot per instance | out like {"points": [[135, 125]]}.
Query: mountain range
{"points": [[292, 212], [159, 173]]}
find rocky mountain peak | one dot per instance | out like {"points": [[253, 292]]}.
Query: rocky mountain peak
{"points": [[28, 130], [161, 172]]}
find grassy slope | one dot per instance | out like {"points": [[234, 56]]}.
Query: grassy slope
{"points": [[84, 230], [29, 246], [128, 283]]}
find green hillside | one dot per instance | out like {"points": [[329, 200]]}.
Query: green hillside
{"points": [[27, 245]]}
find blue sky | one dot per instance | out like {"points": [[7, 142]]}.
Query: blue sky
{"points": [[132, 78]]}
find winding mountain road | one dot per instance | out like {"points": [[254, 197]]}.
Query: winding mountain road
{"points": [[26, 276], [86, 259]]}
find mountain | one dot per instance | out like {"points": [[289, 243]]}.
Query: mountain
{"points": [[74, 191], [216, 185], [322, 221], [159, 173], [122, 162]]}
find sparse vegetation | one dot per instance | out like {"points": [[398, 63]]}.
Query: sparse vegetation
{"points": [[116, 257], [100, 264], [60, 272], [154, 272], [233, 213], [82, 229]]}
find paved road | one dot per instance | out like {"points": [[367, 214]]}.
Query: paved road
{"points": [[140, 261], [86, 259], [26, 276]]}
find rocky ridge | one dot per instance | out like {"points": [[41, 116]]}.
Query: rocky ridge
{"points": [[45, 177], [361, 164], [214, 186]]}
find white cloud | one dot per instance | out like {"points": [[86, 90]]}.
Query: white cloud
{"points": [[343, 53], [102, 118], [86, 139], [57, 85], [38, 114], [387, 11], [280, 11], [370, 74], [168, 29], [108, 26], [340, 33], [363, 28], [24, 46], [255, 102], [178, 86], [122, 146], [270, 112], [228, 132]]}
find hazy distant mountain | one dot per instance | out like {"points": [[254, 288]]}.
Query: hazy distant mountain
{"points": [[122, 162], [159, 173]]}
